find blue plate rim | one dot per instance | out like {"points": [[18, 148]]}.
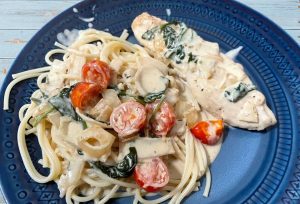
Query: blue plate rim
{"points": [[294, 46]]}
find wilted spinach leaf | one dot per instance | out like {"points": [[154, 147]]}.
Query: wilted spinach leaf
{"points": [[238, 92], [62, 104], [121, 170]]}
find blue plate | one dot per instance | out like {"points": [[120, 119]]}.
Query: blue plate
{"points": [[252, 167]]}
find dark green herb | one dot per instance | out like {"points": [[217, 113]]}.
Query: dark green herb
{"points": [[183, 28], [43, 115], [62, 103], [137, 98], [157, 108], [162, 27], [149, 98], [169, 53], [236, 93], [79, 151], [171, 39], [192, 58], [149, 34], [172, 42], [180, 54], [169, 36], [121, 170], [121, 93], [66, 91], [177, 53], [64, 106], [84, 125]]}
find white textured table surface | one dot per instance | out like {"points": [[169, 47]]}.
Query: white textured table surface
{"points": [[21, 19]]}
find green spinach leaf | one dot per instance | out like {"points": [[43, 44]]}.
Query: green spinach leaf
{"points": [[172, 40], [65, 92], [150, 34], [149, 98], [121, 93], [169, 36], [162, 27], [157, 108], [236, 93], [192, 58], [182, 30], [62, 103], [121, 170], [79, 152], [180, 54]]}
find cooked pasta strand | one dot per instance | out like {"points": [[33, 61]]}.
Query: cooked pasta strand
{"points": [[70, 139]]}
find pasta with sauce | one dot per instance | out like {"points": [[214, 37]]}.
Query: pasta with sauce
{"points": [[112, 121]]}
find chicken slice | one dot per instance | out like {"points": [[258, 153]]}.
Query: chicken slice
{"points": [[220, 85]]}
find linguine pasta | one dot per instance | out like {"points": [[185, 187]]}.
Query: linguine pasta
{"points": [[73, 142]]}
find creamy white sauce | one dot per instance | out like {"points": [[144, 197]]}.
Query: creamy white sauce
{"points": [[150, 77], [248, 113], [68, 36], [213, 150], [87, 20], [75, 10], [168, 11], [71, 177], [209, 76], [232, 54], [151, 81], [148, 147], [175, 167]]}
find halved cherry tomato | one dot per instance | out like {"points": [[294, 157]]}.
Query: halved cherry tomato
{"points": [[209, 132], [85, 94], [97, 72], [163, 120], [151, 175], [128, 118]]}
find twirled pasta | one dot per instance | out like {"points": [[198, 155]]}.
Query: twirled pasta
{"points": [[68, 149]]}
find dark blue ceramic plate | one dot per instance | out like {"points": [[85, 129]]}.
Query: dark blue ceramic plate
{"points": [[253, 167]]}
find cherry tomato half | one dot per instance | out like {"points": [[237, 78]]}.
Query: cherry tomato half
{"points": [[151, 175], [128, 118], [164, 119], [97, 72], [209, 132], [84, 95]]}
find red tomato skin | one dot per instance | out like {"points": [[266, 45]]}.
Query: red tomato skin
{"points": [[97, 72], [132, 115], [84, 95], [163, 120], [149, 189], [201, 131], [161, 170]]}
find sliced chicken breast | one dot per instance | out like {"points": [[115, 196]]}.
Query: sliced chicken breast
{"points": [[219, 84]]}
